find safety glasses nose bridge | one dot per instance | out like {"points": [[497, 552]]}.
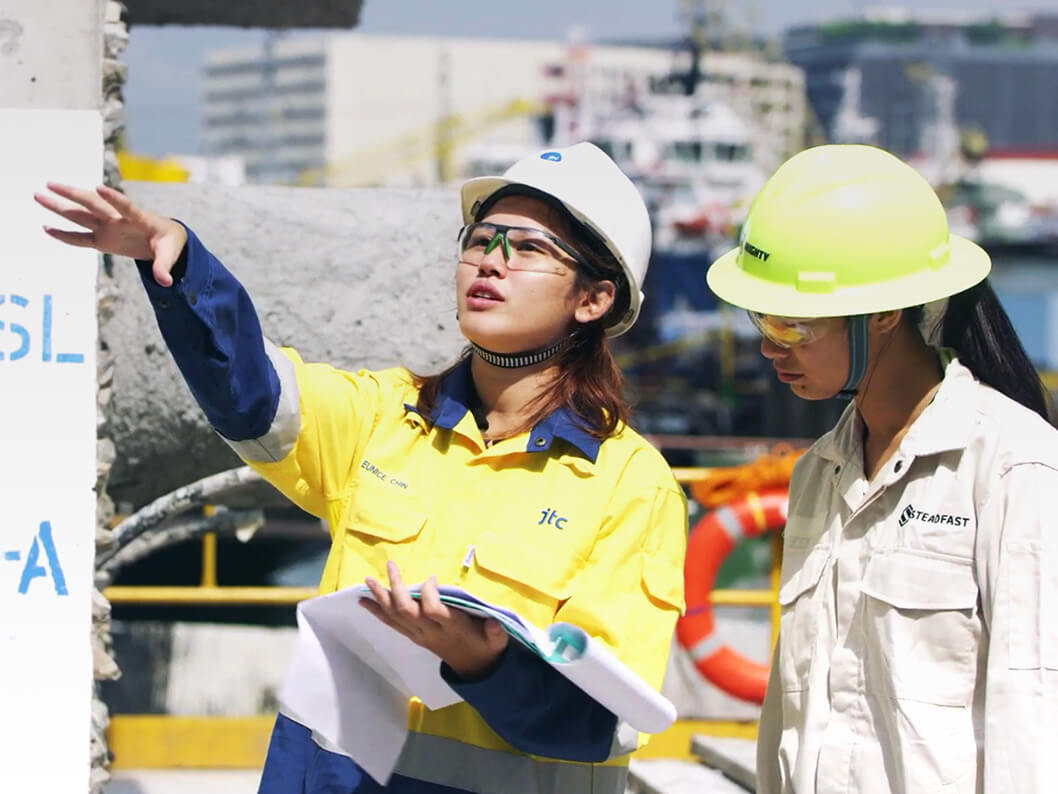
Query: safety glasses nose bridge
{"points": [[532, 249]]}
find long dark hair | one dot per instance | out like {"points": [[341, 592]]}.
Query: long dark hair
{"points": [[977, 327], [589, 382]]}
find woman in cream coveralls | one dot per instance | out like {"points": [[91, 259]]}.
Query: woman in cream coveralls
{"points": [[918, 648]]}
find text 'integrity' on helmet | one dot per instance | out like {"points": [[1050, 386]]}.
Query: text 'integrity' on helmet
{"points": [[845, 229]]}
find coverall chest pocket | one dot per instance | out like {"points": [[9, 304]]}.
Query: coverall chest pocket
{"points": [[533, 579], [380, 515], [380, 524], [800, 600], [921, 627]]}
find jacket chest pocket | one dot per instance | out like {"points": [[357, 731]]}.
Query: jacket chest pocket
{"points": [[380, 523], [800, 599], [381, 514], [532, 578], [921, 627]]}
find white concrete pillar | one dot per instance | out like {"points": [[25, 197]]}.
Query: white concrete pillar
{"points": [[51, 53], [51, 59]]}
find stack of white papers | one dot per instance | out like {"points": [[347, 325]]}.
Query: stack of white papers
{"points": [[352, 676]]}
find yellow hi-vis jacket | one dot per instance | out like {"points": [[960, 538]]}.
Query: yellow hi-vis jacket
{"points": [[552, 523]]}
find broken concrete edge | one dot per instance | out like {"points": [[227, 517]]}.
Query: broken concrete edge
{"points": [[104, 666]]}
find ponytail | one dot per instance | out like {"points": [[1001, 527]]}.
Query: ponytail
{"points": [[976, 326]]}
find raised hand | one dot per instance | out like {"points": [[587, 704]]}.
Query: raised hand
{"points": [[115, 226], [469, 645]]}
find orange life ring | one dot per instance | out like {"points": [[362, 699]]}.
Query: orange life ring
{"points": [[711, 540]]}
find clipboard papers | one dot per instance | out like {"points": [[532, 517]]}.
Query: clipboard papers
{"points": [[352, 676]]}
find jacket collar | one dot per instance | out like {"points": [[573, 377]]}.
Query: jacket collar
{"points": [[457, 393], [942, 427], [946, 423]]}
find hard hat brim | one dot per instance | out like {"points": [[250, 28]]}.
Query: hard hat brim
{"points": [[474, 192], [967, 265]]}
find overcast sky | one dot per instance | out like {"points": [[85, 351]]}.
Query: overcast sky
{"points": [[164, 86]]}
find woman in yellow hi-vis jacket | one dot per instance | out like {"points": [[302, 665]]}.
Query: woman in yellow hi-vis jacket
{"points": [[918, 647], [512, 474]]}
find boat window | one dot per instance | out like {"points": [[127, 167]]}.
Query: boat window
{"points": [[732, 152], [687, 151]]}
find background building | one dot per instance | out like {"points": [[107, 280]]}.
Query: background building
{"points": [[353, 109], [896, 70]]}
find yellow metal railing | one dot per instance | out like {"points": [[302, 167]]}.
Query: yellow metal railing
{"points": [[209, 593], [156, 741], [204, 595]]}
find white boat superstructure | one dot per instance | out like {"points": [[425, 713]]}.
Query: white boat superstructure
{"points": [[694, 160], [671, 138]]}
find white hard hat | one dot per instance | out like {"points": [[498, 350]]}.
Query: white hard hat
{"points": [[597, 193]]}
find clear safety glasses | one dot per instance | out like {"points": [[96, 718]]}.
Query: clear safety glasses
{"points": [[523, 248], [790, 332]]}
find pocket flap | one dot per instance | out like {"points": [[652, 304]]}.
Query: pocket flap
{"points": [[383, 515], [803, 576], [909, 579], [663, 580], [550, 571]]}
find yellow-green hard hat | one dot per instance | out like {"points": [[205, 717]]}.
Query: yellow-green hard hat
{"points": [[845, 229]]}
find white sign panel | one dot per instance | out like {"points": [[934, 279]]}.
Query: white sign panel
{"points": [[47, 469]]}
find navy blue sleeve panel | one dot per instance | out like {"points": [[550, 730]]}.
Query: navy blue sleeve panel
{"points": [[212, 331], [536, 709]]}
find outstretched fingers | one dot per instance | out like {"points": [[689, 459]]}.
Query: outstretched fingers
{"points": [[88, 199], [81, 239], [120, 203], [73, 214]]}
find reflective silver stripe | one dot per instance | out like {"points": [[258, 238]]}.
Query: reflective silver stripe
{"points": [[625, 740], [279, 440], [448, 762], [705, 646], [731, 525]]}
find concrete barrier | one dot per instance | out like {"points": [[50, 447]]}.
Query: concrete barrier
{"points": [[357, 278]]}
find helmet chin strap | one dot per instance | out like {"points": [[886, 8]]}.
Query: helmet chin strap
{"points": [[857, 356]]}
